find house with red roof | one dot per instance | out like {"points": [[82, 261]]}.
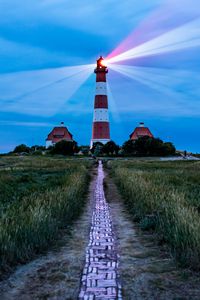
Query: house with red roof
{"points": [[140, 131], [58, 134]]}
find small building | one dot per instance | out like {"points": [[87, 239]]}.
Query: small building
{"points": [[140, 131], [58, 134]]}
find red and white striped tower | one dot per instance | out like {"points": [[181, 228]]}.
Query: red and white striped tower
{"points": [[101, 127]]}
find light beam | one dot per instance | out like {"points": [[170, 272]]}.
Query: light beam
{"points": [[41, 92], [174, 88], [113, 106], [183, 37]]}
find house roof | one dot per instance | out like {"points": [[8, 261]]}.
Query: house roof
{"points": [[140, 132], [58, 134]]}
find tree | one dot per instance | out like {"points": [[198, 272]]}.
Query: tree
{"points": [[168, 149], [143, 146], [128, 147], [65, 148], [21, 148], [148, 146], [110, 148], [84, 149], [37, 147], [97, 149]]}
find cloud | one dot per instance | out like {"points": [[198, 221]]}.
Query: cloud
{"points": [[19, 56], [88, 16], [25, 124], [14, 55]]}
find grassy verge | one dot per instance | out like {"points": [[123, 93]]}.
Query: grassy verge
{"points": [[165, 196], [36, 203]]}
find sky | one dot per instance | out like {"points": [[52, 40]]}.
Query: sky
{"points": [[48, 49]]}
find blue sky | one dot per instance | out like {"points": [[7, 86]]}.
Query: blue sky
{"points": [[42, 41]]}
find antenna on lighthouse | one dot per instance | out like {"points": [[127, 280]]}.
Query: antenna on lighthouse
{"points": [[101, 126]]}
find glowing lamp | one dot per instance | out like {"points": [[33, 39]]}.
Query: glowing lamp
{"points": [[103, 63]]}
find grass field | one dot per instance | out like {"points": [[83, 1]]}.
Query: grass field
{"points": [[164, 196], [38, 196]]}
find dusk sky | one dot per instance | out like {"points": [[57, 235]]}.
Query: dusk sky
{"points": [[48, 49]]}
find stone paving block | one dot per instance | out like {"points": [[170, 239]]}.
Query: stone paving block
{"points": [[96, 276], [111, 275], [96, 290], [107, 283]]}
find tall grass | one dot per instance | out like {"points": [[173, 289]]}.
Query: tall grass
{"points": [[157, 203], [29, 224]]}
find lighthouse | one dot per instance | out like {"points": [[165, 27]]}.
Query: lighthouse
{"points": [[101, 127]]}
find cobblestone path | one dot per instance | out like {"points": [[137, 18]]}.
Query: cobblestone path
{"points": [[100, 278]]}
